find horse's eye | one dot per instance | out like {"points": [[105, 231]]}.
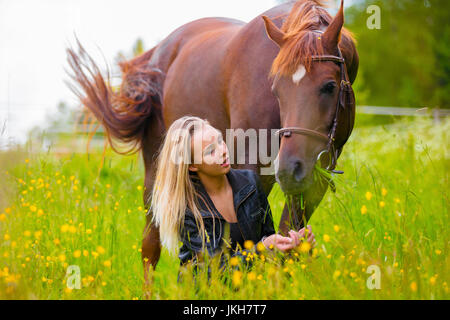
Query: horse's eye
{"points": [[328, 87]]}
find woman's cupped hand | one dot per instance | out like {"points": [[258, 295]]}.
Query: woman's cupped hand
{"points": [[292, 241]]}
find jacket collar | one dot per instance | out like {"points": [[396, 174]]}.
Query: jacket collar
{"points": [[240, 185]]}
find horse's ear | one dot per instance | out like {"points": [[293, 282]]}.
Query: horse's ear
{"points": [[274, 33], [332, 34]]}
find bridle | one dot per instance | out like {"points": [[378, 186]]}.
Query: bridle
{"points": [[345, 96]]}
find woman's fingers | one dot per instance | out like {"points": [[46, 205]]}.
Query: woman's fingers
{"points": [[285, 246], [284, 240], [295, 238], [307, 233], [301, 233], [284, 243], [310, 233]]}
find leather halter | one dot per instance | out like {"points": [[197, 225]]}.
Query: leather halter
{"points": [[330, 138]]}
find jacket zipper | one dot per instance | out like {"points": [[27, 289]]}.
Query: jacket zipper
{"points": [[237, 207], [236, 210]]}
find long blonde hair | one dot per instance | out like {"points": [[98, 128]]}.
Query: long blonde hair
{"points": [[173, 189]]}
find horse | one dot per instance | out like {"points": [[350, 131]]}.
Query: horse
{"points": [[289, 69]]}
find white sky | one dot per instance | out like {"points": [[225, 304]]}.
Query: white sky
{"points": [[35, 34]]}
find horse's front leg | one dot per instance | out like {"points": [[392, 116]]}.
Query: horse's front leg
{"points": [[298, 209]]}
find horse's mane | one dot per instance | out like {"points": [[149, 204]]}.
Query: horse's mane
{"points": [[300, 43]]}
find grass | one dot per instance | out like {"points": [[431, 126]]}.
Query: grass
{"points": [[390, 211]]}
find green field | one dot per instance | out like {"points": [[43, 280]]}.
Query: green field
{"points": [[391, 210]]}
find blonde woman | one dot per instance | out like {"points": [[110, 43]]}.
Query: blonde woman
{"points": [[197, 196]]}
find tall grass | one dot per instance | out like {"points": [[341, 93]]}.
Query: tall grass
{"points": [[391, 210]]}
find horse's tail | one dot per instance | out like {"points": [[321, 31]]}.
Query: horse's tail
{"points": [[125, 112]]}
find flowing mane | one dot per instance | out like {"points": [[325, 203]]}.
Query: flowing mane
{"points": [[300, 43]]}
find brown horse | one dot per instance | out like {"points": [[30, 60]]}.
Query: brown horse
{"points": [[258, 75]]}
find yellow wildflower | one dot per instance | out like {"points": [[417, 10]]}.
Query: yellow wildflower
{"points": [[38, 234], [248, 244], [72, 229], [237, 277], [260, 246], [234, 261], [305, 246], [100, 250], [363, 210], [251, 276]]}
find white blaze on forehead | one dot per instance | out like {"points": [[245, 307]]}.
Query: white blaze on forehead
{"points": [[299, 74]]}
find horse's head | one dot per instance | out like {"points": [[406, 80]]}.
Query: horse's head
{"points": [[308, 89]]}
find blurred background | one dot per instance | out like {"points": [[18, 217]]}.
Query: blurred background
{"points": [[403, 46]]}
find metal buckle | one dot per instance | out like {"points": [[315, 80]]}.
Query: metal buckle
{"points": [[319, 156]]}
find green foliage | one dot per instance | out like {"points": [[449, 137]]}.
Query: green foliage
{"points": [[390, 210], [406, 62]]}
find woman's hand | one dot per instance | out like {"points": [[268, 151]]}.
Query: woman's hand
{"points": [[278, 241], [302, 235], [295, 238]]}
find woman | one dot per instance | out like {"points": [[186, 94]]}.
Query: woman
{"points": [[197, 197]]}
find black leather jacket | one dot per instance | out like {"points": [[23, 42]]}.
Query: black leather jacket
{"points": [[251, 206]]}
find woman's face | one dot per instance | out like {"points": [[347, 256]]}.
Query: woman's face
{"points": [[210, 152]]}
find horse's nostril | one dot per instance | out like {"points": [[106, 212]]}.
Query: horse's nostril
{"points": [[298, 171]]}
